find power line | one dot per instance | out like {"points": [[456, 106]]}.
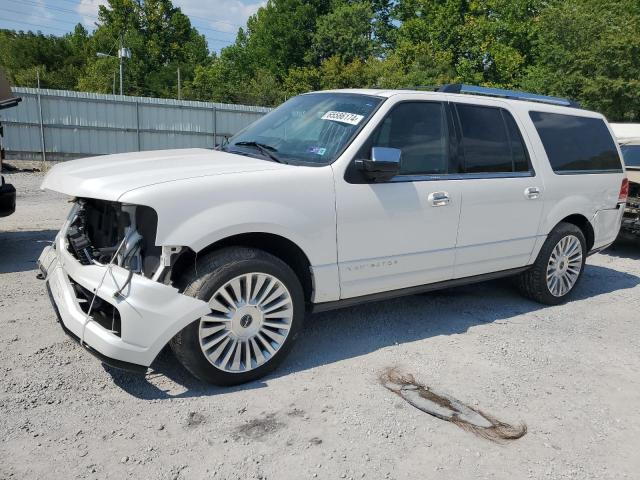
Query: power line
{"points": [[75, 2], [65, 30], [45, 19], [51, 27], [93, 17], [32, 25], [49, 7], [216, 21]]}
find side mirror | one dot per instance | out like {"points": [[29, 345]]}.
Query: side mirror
{"points": [[383, 165]]}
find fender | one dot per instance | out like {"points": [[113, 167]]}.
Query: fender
{"points": [[296, 203]]}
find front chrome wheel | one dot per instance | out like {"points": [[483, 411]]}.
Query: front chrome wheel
{"points": [[250, 319], [565, 264]]}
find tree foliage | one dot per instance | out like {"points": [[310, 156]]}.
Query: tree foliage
{"points": [[588, 50]]}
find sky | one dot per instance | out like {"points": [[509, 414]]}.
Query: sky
{"points": [[217, 20]]}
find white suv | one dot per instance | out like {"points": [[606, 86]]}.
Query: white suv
{"points": [[332, 199]]}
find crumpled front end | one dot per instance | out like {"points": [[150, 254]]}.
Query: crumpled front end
{"points": [[102, 274]]}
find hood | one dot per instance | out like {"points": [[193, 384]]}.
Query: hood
{"points": [[108, 177]]}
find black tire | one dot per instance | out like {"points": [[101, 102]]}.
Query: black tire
{"points": [[212, 272], [533, 283]]}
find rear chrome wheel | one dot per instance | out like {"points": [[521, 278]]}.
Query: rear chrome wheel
{"points": [[249, 322], [558, 268], [565, 265]]}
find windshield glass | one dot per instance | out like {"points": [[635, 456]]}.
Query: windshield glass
{"points": [[312, 128], [631, 155]]}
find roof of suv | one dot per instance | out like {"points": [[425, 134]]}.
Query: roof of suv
{"points": [[527, 104], [380, 92]]}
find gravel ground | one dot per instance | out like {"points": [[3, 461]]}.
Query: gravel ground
{"points": [[571, 372]]}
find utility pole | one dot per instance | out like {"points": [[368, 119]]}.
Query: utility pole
{"points": [[114, 83], [179, 86], [121, 70], [44, 154], [123, 52]]}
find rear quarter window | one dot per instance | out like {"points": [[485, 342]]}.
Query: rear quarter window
{"points": [[577, 144]]}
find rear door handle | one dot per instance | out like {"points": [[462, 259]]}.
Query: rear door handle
{"points": [[532, 193], [439, 199]]}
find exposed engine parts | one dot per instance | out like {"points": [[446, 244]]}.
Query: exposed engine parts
{"points": [[129, 256], [101, 229]]}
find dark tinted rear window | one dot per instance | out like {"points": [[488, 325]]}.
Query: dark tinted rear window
{"points": [[491, 140], [518, 150], [576, 144]]}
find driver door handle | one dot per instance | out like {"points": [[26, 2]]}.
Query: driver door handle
{"points": [[439, 199]]}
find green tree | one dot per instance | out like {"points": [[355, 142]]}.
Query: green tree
{"points": [[60, 60], [161, 40], [584, 49], [589, 50], [347, 32], [486, 42]]}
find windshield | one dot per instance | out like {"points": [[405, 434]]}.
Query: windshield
{"points": [[308, 129], [631, 155]]}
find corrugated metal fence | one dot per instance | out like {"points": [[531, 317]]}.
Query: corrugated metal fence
{"points": [[69, 124]]}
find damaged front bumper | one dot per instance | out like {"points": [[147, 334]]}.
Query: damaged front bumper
{"points": [[149, 313]]}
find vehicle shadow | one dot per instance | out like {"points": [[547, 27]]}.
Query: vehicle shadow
{"points": [[352, 332], [20, 250], [624, 247]]}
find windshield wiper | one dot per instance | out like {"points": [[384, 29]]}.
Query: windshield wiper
{"points": [[266, 150]]}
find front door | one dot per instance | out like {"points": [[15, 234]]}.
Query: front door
{"points": [[400, 233]]}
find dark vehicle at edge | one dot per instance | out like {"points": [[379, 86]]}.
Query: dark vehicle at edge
{"points": [[7, 191]]}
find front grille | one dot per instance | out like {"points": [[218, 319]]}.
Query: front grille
{"points": [[103, 313]]}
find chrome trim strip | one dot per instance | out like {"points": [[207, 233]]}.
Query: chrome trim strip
{"points": [[459, 176], [586, 172]]}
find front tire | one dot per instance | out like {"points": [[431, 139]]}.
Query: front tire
{"points": [[257, 311], [558, 268]]}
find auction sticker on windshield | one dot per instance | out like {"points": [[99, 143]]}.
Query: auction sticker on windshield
{"points": [[344, 117]]}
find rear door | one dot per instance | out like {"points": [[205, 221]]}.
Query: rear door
{"points": [[502, 197]]}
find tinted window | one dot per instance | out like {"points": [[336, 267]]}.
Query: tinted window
{"points": [[419, 129], [576, 143], [518, 150], [491, 141], [631, 155]]}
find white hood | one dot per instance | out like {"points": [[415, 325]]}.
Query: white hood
{"points": [[108, 177]]}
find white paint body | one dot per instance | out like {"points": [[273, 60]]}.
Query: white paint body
{"points": [[360, 239]]}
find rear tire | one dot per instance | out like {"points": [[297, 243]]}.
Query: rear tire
{"points": [[257, 311], [558, 268]]}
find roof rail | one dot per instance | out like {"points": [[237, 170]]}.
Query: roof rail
{"points": [[428, 88], [510, 94]]}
